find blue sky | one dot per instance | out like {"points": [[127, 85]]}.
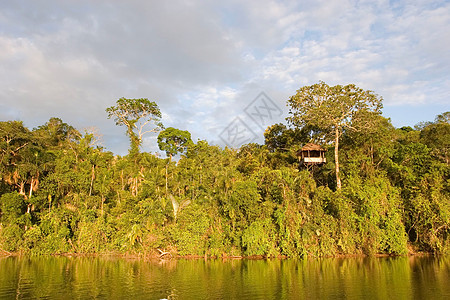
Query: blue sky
{"points": [[204, 62]]}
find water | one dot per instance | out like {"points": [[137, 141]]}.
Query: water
{"points": [[115, 278]]}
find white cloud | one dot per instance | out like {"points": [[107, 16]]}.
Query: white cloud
{"points": [[377, 49], [202, 62]]}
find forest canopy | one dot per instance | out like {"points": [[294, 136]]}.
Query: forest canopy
{"points": [[62, 193]]}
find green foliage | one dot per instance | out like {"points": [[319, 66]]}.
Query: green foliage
{"points": [[57, 228], [333, 107], [258, 238], [32, 240], [244, 204], [60, 193], [12, 206], [334, 110], [437, 137], [136, 114], [190, 233], [174, 141], [11, 237], [92, 236], [55, 133], [280, 138], [377, 207]]}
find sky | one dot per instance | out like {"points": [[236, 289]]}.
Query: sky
{"points": [[223, 70]]}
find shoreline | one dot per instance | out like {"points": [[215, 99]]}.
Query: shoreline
{"points": [[169, 256]]}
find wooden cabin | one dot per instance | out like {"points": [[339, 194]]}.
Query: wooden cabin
{"points": [[311, 155]]}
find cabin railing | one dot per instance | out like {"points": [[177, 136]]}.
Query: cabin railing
{"points": [[316, 160]]}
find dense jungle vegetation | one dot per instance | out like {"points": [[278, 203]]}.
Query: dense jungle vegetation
{"points": [[60, 192]]}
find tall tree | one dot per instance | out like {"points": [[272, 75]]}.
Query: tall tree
{"points": [[279, 137], [55, 133], [174, 141], [137, 115], [15, 141], [334, 109], [437, 136]]}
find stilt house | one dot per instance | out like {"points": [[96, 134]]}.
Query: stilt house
{"points": [[311, 155]]}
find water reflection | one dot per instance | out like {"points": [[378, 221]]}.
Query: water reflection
{"points": [[114, 278]]}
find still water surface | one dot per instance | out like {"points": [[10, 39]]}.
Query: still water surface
{"points": [[115, 278]]}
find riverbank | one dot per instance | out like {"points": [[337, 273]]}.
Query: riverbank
{"points": [[165, 255]]}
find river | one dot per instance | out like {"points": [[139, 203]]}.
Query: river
{"points": [[119, 278]]}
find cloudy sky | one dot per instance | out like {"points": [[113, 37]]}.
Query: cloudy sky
{"points": [[206, 62]]}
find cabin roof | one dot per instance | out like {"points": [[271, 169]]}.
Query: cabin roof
{"points": [[311, 146]]}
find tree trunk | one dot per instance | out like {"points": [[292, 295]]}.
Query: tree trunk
{"points": [[166, 181], [49, 202], [31, 188], [22, 189], [92, 180], [336, 158], [121, 179], [103, 201]]}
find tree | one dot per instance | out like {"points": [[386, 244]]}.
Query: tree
{"points": [[15, 143], [136, 114], [367, 151], [437, 136], [55, 133], [277, 137], [334, 109], [174, 141], [13, 138]]}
